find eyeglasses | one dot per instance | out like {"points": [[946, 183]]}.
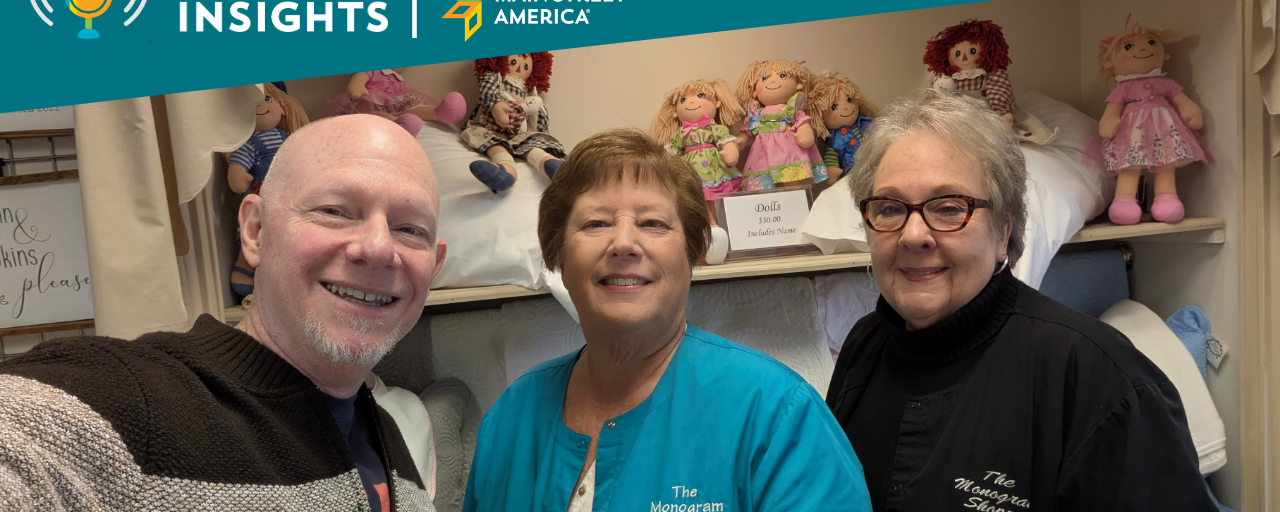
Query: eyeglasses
{"points": [[943, 213]]}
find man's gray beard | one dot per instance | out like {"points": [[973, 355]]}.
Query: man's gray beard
{"points": [[368, 352]]}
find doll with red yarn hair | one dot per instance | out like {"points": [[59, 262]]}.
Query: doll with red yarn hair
{"points": [[971, 60], [510, 119]]}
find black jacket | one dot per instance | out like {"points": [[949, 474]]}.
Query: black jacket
{"points": [[1047, 409]]}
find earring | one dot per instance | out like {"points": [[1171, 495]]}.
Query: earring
{"points": [[1003, 265]]}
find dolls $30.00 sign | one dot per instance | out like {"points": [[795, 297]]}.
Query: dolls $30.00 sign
{"points": [[44, 265]]}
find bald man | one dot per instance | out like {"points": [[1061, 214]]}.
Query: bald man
{"points": [[271, 414]]}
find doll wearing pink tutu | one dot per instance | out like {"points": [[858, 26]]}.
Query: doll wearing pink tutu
{"points": [[386, 94], [1147, 125], [781, 137]]}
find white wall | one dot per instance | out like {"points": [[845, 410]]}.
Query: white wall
{"points": [[622, 84], [1207, 62]]}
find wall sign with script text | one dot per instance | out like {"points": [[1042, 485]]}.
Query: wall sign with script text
{"points": [[767, 219], [44, 265]]}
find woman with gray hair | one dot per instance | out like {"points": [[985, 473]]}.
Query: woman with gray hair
{"points": [[967, 389]]}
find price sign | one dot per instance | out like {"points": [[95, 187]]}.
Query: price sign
{"points": [[766, 220]]}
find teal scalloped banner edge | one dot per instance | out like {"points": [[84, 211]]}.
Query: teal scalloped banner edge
{"points": [[150, 47]]}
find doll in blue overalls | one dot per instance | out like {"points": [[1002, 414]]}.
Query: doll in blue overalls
{"points": [[278, 115], [847, 114]]}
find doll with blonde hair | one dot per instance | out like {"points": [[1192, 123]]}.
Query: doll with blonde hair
{"points": [[1147, 125], [846, 113], [782, 138], [277, 116], [693, 123]]}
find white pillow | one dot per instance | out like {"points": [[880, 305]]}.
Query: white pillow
{"points": [[1061, 194], [414, 425], [1162, 347], [492, 238]]}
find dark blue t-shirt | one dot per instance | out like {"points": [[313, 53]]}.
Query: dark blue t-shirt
{"points": [[361, 442]]}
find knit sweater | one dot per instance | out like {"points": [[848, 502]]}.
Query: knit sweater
{"points": [[204, 420]]}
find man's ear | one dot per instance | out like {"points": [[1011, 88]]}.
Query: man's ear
{"points": [[251, 216], [441, 249]]}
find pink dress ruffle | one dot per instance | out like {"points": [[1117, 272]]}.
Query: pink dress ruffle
{"points": [[387, 94], [775, 157], [1151, 133]]}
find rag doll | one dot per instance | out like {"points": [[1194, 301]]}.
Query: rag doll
{"points": [[278, 116], [776, 125], [1147, 125], [846, 113], [510, 119], [386, 94], [971, 60], [693, 122]]}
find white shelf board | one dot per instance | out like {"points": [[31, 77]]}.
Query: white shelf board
{"points": [[821, 263]]}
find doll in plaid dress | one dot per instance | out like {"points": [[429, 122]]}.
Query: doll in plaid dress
{"points": [[510, 119], [971, 60]]}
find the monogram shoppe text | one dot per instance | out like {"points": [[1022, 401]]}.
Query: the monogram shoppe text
{"points": [[996, 494], [686, 501]]}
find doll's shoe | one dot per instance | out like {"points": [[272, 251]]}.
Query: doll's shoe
{"points": [[452, 108], [1167, 208], [719, 246], [241, 289], [411, 123], [492, 175], [551, 166], [1124, 210]]}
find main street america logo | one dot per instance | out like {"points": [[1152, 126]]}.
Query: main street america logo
{"points": [[87, 9]]}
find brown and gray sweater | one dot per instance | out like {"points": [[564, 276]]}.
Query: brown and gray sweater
{"points": [[204, 420]]}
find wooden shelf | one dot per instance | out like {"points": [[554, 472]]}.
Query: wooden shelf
{"points": [[1109, 231], [38, 134], [814, 263]]}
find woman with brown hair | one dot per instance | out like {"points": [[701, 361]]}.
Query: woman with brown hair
{"points": [[654, 413]]}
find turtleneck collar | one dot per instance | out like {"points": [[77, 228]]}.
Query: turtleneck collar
{"points": [[968, 328], [242, 358]]}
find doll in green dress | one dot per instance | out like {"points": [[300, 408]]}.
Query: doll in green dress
{"points": [[693, 123]]}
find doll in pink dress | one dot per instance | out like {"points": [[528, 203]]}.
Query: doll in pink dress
{"points": [[386, 94], [781, 137], [1147, 125]]}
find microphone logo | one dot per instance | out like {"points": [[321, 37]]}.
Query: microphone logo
{"points": [[87, 9]]}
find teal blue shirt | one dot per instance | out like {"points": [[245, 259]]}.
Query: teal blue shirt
{"points": [[726, 429]]}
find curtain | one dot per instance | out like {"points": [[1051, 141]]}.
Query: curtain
{"points": [[1263, 62], [136, 283]]}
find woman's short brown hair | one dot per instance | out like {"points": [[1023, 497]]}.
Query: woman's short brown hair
{"points": [[609, 157]]}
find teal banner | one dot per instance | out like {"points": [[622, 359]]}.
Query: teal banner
{"points": [[64, 52]]}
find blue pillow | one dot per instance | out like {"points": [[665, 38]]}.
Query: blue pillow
{"points": [[1089, 282], [1191, 324]]}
